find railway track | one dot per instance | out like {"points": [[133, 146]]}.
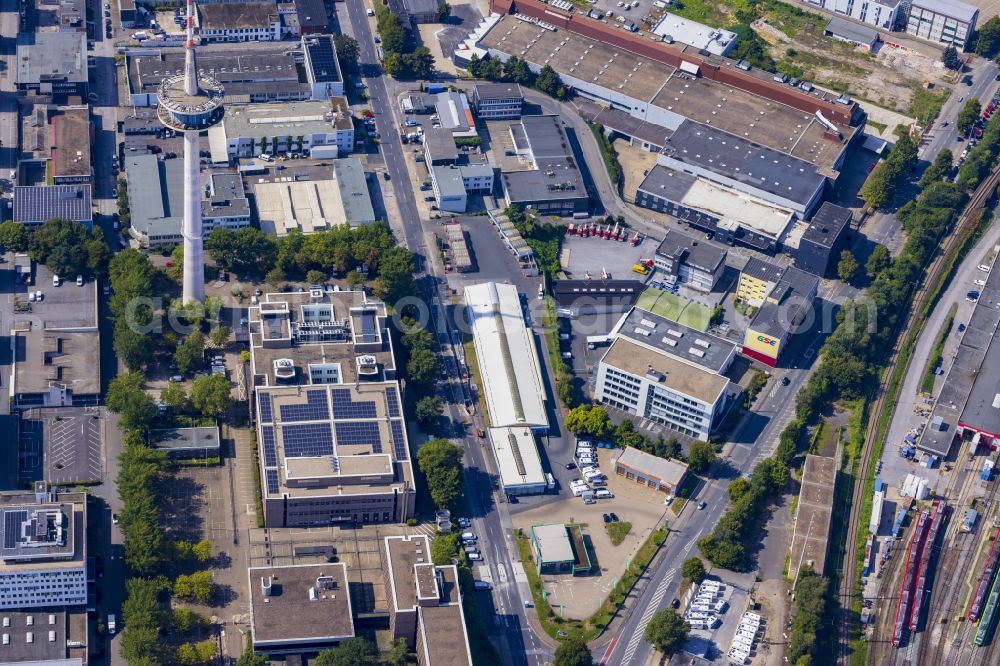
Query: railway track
{"points": [[934, 272], [954, 569]]}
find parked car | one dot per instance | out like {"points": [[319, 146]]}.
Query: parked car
{"points": [[701, 505], [475, 557]]}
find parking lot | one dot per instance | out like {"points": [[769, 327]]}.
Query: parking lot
{"points": [[596, 257], [579, 596]]}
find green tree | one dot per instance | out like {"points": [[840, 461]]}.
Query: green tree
{"points": [[549, 83], [347, 52], [444, 12], [573, 651], [587, 420], [244, 250], [395, 275], [127, 397], [951, 59], [199, 587], [275, 277], [248, 658], [885, 180], [315, 277], [441, 462], [701, 457], [14, 236], [211, 395], [352, 652], [185, 620], [392, 33], [847, 267], [443, 548], [187, 655], [878, 260], [219, 335], [135, 349], [174, 396], [428, 411], [141, 645], [202, 551], [667, 631], [694, 570], [422, 369], [988, 38], [68, 248], [190, 354], [968, 116], [939, 169]]}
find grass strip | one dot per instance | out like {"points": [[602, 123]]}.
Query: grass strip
{"points": [[608, 153], [937, 352]]}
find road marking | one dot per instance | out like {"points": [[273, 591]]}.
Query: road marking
{"points": [[640, 629]]}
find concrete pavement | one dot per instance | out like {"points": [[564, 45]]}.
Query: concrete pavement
{"points": [[903, 417]]}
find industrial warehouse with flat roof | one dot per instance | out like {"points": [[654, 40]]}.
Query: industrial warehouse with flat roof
{"points": [[505, 351]]}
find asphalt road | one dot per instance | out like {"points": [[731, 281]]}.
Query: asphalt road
{"points": [[518, 645], [755, 439], [941, 137]]}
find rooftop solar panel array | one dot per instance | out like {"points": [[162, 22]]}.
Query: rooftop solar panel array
{"points": [[362, 433], [272, 481], [270, 452], [315, 409], [344, 407], [264, 411], [398, 440], [307, 440], [324, 60], [12, 521], [392, 402]]}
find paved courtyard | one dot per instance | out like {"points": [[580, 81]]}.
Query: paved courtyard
{"points": [[579, 596]]}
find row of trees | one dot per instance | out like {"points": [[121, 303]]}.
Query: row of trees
{"points": [[153, 634], [982, 157], [850, 357], [342, 250], [401, 59], [809, 619], [886, 179], [516, 70], [593, 421], [66, 247]]}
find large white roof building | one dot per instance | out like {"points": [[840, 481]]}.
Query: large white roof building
{"points": [[508, 363]]}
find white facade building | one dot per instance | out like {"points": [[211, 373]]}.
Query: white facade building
{"points": [[945, 21], [452, 184], [666, 372], [43, 559], [505, 351], [883, 14], [253, 129]]}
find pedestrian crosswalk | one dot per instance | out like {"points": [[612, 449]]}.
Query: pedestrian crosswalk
{"points": [[640, 628]]}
